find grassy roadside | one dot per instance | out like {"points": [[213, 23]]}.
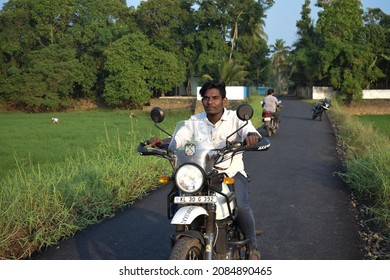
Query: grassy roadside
{"points": [[366, 154], [42, 205]]}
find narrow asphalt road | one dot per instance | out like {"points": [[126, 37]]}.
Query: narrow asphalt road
{"points": [[298, 201]]}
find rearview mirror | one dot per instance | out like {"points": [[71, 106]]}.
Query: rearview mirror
{"points": [[157, 114], [244, 112]]}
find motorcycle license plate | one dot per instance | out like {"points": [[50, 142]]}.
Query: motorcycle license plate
{"points": [[195, 199], [267, 119]]}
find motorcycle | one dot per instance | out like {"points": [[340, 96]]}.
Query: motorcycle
{"points": [[320, 108], [270, 123], [201, 203]]}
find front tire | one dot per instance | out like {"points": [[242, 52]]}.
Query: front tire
{"points": [[315, 114], [321, 115], [187, 248]]}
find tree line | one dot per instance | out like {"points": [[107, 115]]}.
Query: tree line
{"points": [[55, 52], [346, 48]]}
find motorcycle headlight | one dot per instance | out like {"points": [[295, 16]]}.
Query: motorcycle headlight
{"points": [[189, 178]]}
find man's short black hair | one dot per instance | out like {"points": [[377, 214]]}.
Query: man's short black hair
{"points": [[213, 84], [270, 91]]}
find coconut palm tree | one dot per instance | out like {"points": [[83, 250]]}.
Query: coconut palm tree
{"points": [[230, 73], [279, 63]]}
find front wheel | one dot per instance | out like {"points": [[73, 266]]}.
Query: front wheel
{"points": [[320, 117], [316, 114], [187, 249]]}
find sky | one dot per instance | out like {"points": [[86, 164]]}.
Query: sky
{"points": [[282, 17]]}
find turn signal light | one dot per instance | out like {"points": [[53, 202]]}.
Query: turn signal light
{"points": [[228, 181], [164, 179]]}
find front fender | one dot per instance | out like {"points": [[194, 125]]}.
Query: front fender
{"points": [[191, 234], [186, 215]]}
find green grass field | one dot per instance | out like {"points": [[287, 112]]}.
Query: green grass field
{"points": [[32, 139], [381, 123]]}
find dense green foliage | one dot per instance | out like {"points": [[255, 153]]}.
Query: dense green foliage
{"points": [[346, 60], [345, 49], [132, 57], [55, 52]]}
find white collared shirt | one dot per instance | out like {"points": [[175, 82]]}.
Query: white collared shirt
{"points": [[218, 133]]}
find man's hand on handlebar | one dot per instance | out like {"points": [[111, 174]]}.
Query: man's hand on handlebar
{"points": [[156, 142], [252, 139]]}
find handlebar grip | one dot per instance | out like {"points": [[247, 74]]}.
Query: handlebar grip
{"points": [[262, 145], [142, 150]]}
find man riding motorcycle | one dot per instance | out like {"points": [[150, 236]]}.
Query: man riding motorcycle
{"points": [[270, 104], [220, 124]]}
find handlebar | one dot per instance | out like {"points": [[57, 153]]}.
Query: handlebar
{"points": [[234, 148], [262, 145], [143, 150]]}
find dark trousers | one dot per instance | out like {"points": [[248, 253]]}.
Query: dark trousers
{"points": [[245, 216]]}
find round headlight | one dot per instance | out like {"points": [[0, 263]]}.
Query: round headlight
{"points": [[189, 178]]}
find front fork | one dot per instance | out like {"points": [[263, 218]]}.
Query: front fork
{"points": [[209, 235]]}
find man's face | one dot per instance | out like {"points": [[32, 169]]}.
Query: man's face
{"points": [[213, 102]]}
